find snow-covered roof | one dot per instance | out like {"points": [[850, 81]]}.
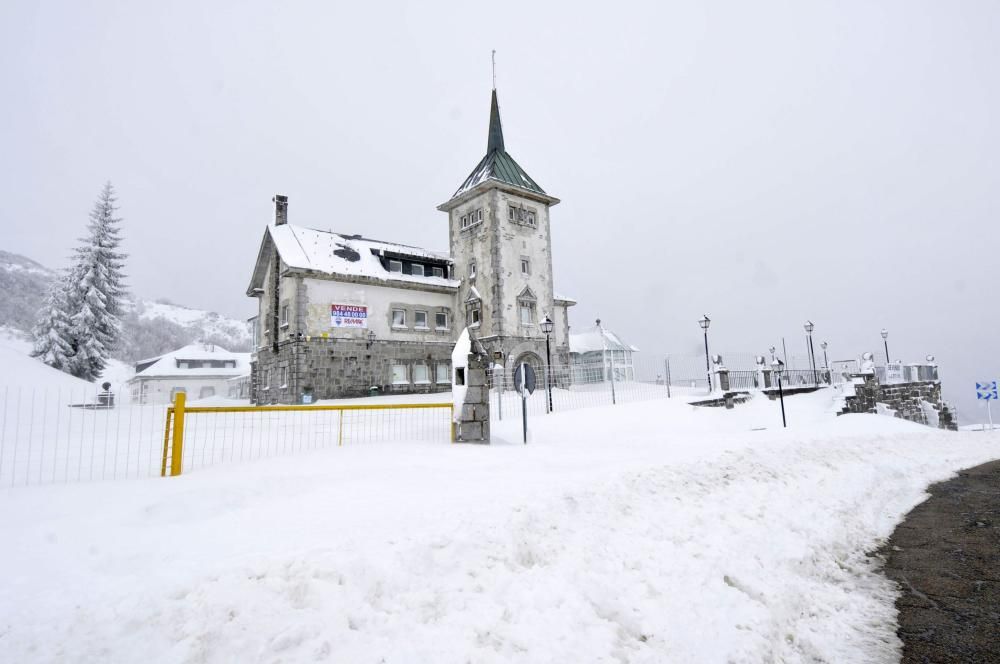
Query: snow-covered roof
{"points": [[591, 341], [559, 297], [166, 365], [350, 255]]}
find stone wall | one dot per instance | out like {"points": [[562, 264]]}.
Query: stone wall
{"points": [[472, 423], [906, 399], [334, 369]]}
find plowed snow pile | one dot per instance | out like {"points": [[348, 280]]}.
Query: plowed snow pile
{"points": [[649, 532]]}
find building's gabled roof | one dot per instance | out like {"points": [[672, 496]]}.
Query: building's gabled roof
{"points": [[596, 340], [346, 255], [165, 366], [498, 165]]}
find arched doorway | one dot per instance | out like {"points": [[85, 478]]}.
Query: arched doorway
{"points": [[531, 359]]}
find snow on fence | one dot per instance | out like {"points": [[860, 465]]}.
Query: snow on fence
{"points": [[60, 436], [210, 435]]}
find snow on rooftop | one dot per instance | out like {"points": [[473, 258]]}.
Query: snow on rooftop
{"points": [[597, 339], [349, 255], [166, 365], [563, 298]]}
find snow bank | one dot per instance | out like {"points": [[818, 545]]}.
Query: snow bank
{"points": [[648, 532]]}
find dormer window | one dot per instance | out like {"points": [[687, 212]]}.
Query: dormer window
{"points": [[395, 266]]}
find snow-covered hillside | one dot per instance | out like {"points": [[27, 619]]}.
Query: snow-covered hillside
{"points": [[150, 327], [645, 532]]}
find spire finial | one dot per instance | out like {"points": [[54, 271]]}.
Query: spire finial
{"points": [[493, 57]]}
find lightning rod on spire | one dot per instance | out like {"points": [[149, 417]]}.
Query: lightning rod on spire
{"points": [[493, 57]]}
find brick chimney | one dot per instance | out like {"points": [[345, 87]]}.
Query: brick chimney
{"points": [[280, 209]]}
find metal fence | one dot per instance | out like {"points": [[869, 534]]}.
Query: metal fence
{"points": [[53, 436]]}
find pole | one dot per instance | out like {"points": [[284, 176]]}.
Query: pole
{"points": [[548, 370], [708, 368], [886, 342], [812, 359], [614, 399], [781, 397], [667, 363], [784, 352], [524, 406], [989, 413]]}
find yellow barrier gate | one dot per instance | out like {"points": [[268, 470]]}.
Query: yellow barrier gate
{"points": [[386, 429]]}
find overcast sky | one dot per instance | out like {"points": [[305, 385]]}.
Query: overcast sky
{"points": [[763, 163]]}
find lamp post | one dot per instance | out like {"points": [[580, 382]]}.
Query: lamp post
{"points": [[826, 364], [777, 366], [812, 351], [371, 339], [547, 327], [885, 340], [705, 322]]}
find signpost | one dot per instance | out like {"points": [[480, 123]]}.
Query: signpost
{"points": [[987, 392], [524, 383]]}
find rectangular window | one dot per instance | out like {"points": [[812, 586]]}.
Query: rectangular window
{"points": [[284, 314], [472, 270], [284, 376], [399, 317], [420, 320], [441, 320], [527, 313], [417, 270], [525, 266], [443, 372], [395, 266], [530, 218], [479, 215], [474, 315], [465, 221], [399, 376], [438, 272], [421, 374], [512, 213]]}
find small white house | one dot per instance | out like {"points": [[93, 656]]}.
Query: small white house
{"points": [[597, 353], [199, 370]]}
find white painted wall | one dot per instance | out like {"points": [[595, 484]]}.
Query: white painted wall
{"points": [[155, 390], [380, 300]]}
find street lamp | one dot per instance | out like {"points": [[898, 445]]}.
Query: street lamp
{"points": [[371, 339], [705, 322], [809, 346], [547, 327], [777, 367], [885, 340]]}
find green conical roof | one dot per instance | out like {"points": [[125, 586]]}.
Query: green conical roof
{"points": [[497, 164]]}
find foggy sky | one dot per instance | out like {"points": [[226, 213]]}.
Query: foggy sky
{"points": [[763, 163]]}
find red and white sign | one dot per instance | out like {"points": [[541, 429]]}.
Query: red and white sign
{"points": [[348, 315]]}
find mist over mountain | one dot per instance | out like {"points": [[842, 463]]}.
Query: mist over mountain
{"points": [[150, 328]]}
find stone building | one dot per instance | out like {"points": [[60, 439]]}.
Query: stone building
{"points": [[343, 315]]}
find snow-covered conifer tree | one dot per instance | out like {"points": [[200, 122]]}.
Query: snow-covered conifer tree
{"points": [[53, 344], [96, 291]]}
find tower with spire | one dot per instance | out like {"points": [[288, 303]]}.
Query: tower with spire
{"points": [[501, 244]]}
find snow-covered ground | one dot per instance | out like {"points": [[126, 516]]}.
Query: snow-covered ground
{"points": [[642, 532]]}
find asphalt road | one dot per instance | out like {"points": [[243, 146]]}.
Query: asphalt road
{"points": [[945, 556]]}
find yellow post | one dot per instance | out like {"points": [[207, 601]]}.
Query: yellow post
{"points": [[166, 442], [340, 431], [177, 455]]}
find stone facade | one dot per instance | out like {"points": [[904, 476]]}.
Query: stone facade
{"points": [[329, 369], [906, 399]]}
